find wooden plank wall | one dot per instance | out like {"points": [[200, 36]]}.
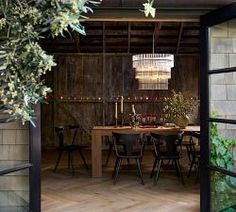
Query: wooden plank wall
{"points": [[86, 86]]}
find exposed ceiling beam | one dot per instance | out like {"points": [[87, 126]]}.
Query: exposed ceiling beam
{"points": [[104, 37], [76, 39], [157, 30], [163, 14], [129, 36], [167, 3], [179, 37], [162, 19], [99, 54]]}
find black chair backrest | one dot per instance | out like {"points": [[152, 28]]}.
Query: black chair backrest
{"points": [[128, 144], [77, 132], [195, 134], [60, 134], [169, 140], [193, 137], [70, 131]]}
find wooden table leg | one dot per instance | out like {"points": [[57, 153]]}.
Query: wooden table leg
{"points": [[96, 154]]}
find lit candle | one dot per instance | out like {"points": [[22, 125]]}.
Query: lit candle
{"points": [[122, 104], [115, 110], [133, 110]]}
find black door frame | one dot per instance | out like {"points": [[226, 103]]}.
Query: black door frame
{"points": [[35, 160], [215, 17]]}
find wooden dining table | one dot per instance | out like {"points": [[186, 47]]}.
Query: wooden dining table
{"points": [[99, 131]]}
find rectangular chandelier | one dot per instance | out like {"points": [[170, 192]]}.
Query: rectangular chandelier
{"points": [[153, 70]]}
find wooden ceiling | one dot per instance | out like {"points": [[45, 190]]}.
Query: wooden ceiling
{"points": [[118, 26], [130, 37], [167, 10], [166, 3]]}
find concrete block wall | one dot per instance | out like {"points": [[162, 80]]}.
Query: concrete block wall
{"points": [[223, 86], [14, 150]]}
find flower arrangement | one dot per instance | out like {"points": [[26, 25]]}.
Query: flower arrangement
{"points": [[178, 105], [134, 118]]}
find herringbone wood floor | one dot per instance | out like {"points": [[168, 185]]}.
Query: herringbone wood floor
{"points": [[65, 192]]}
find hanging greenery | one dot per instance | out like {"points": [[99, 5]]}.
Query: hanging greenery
{"points": [[149, 9], [22, 60], [222, 186], [23, 23]]}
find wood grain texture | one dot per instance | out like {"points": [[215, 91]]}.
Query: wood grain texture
{"points": [[89, 90], [63, 191], [116, 35], [99, 131]]}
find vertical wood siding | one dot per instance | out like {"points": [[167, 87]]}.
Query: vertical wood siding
{"points": [[85, 91]]}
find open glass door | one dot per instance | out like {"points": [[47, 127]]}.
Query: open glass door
{"points": [[218, 110]]}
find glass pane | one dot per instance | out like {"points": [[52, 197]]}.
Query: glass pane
{"points": [[222, 95], [223, 193], [14, 191], [14, 145], [223, 145], [222, 45], [14, 150]]}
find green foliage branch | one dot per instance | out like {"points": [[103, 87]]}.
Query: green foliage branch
{"points": [[149, 9], [222, 156], [178, 105], [22, 60]]}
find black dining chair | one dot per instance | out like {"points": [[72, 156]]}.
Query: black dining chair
{"points": [[128, 146], [188, 143], [71, 146], [195, 154], [167, 147]]}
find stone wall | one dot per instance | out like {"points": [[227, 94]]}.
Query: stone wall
{"points": [[223, 85], [14, 150]]}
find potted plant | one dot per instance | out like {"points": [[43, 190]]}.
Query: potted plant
{"points": [[178, 107]]}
